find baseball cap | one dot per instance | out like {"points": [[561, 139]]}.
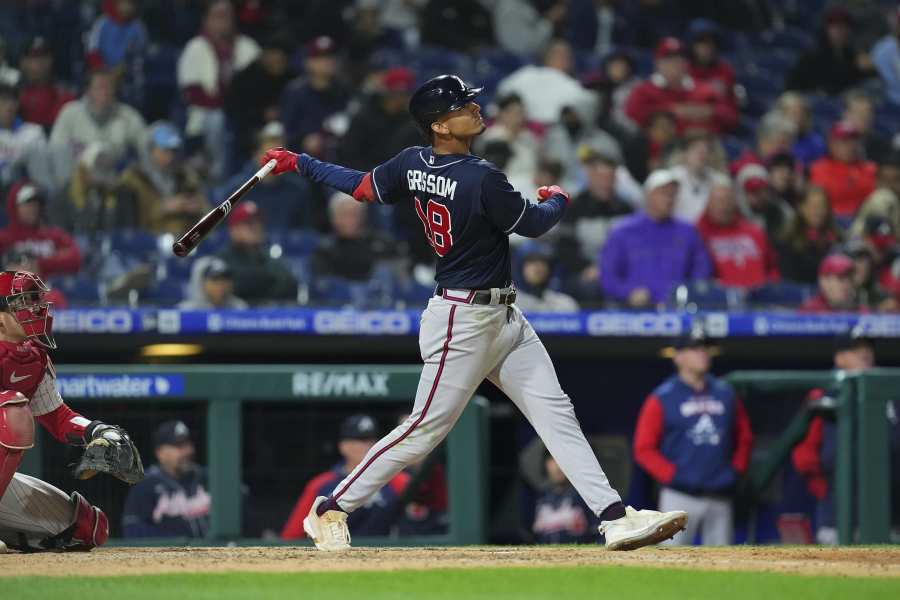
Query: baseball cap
{"points": [[838, 14], [164, 135], [322, 45], [217, 269], [171, 433], [879, 231], [844, 130], [659, 178], [835, 264], [754, 183], [599, 150], [38, 46], [245, 211], [359, 427], [669, 46], [398, 79], [27, 193]]}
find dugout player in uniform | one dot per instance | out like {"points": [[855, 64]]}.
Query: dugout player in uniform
{"points": [[471, 329], [693, 436], [35, 515]]}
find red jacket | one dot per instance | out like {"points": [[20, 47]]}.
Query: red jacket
{"points": [[652, 96], [56, 251], [741, 252], [719, 76], [41, 103], [806, 459], [847, 184]]}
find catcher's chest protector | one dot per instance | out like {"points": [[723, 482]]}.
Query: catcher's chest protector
{"points": [[16, 434]]}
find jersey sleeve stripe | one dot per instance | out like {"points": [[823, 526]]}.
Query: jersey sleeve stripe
{"points": [[375, 185], [46, 398], [521, 214]]}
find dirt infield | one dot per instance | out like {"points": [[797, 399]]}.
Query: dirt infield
{"points": [[879, 561]]}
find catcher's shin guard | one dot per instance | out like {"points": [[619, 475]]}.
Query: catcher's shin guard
{"points": [[16, 434], [90, 529]]}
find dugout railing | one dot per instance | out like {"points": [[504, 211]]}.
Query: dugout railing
{"points": [[862, 468], [225, 389]]}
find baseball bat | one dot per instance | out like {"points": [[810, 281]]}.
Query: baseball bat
{"points": [[210, 220]]}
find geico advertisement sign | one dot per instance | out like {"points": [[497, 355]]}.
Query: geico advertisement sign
{"points": [[352, 322], [330, 383], [93, 321], [640, 324]]}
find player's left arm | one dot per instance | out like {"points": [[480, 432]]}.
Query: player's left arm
{"points": [[513, 213], [376, 185], [743, 439]]}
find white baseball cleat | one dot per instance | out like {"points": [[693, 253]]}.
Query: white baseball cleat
{"points": [[329, 531], [639, 528]]}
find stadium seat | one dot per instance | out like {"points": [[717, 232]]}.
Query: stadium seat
{"points": [[79, 290], [295, 243], [493, 62], [132, 243], [705, 295], [785, 294], [791, 38]]}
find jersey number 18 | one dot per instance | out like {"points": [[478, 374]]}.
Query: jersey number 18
{"points": [[436, 220]]}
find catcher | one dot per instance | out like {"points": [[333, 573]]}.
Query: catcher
{"points": [[34, 515]]}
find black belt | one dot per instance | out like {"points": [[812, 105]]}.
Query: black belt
{"points": [[476, 296]]}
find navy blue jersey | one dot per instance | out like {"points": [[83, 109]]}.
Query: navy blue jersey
{"points": [[466, 205]]}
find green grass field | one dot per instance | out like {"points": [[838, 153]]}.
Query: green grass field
{"points": [[556, 583]]}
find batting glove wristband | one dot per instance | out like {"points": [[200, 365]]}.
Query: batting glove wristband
{"points": [[545, 191], [285, 160]]}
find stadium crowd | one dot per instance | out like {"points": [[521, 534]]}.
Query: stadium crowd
{"points": [[718, 154]]}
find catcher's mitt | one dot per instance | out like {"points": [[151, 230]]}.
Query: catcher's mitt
{"points": [[110, 451]]}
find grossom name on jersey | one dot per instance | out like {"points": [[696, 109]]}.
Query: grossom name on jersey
{"points": [[437, 185]]}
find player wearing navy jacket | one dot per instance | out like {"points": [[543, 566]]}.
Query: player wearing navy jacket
{"points": [[693, 437], [471, 329]]}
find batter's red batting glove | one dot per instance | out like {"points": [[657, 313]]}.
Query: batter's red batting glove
{"points": [[545, 191], [285, 160]]}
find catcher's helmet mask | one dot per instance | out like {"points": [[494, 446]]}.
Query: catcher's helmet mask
{"points": [[437, 97], [22, 296]]}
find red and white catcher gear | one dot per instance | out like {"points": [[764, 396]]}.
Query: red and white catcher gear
{"points": [[91, 527], [22, 295], [16, 434]]}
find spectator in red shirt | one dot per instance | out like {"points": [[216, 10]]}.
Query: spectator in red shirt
{"points": [[54, 249], [706, 66], [846, 177], [40, 97], [741, 253], [836, 290], [695, 104]]}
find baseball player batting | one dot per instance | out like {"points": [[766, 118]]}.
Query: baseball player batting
{"points": [[35, 515], [471, 328]]}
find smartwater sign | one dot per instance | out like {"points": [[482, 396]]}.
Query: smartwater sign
{"points": [[120, 386]]}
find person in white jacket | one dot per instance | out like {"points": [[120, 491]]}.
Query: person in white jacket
{"points": [[205, 69]]}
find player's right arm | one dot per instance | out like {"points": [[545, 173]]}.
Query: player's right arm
{"points": [[513, 213], [377, 185]]}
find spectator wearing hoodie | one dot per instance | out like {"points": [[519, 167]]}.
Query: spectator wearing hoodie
{"points": [[706, 65], [559, 89], [741, 253], [695, 104], [211, 287], [96, 117], [312, 99], [834, 64], [836, 288], [41, 97], [118, 41], [844, 174], [534, 293], [759, 203], [205, 70], [649, 253], [162, 194], [810, 234], [696, 176], [23, 145], [54, 249], [257, 277]]}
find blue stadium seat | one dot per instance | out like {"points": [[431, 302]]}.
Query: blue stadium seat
{"points": [[132, 243], [785, 294], [79, 290], [214, 242], [791, 38], [167, 292], [493, 62], [733, 146], [295, 243]]}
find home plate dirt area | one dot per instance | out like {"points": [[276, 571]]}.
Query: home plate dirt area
{"points": [[807, 560]]}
